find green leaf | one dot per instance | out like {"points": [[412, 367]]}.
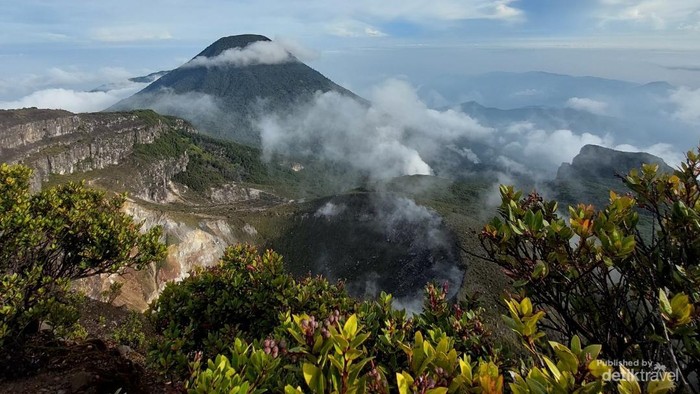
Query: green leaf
{"points": [[553, 368], [565, 355], [662, 386], [592, 350], [404, 382], [313, 377], [526, 307], [682, 309], [598, 368], [664, 304], [629, 384], [576, 345], [350, 327], [288, 389]]}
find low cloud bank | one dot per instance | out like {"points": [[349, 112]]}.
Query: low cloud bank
{"points": [[115, 86], [397, 134], [71, 100]]}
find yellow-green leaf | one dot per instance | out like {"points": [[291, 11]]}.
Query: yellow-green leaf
{"points": [[313, 377], [662, 386], [404, 382], [350, 327]]}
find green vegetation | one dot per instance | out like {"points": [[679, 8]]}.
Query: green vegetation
{"points": [[592, 290], [152, 118], [55, 236], [344, 346], [249, 299], [599, 276], [130, 333], [608, 285], [213, 162]]}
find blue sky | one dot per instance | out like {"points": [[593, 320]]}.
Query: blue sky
{"points": [[47, 44]]}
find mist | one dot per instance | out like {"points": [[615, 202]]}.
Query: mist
{"points": [[397, 134], [390, 137]]}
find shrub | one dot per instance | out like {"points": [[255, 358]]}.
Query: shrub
{"points": [[243, 295], [601, 277], [112, 293], [55, 236], [333, 355], [249, 299], [130, 332]]}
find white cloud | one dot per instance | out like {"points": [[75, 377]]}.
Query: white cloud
{"points": [[354, 28], [352, 134], [512, 166], [543, 149], [519, 127], [589, 105], [65, 78], [387, 139], [687, 103], [299, 50], [329, 210], [399, 99], [465, 153], [259, 52], [667, 152], [374, 32], [427, 12], [71, 100]]}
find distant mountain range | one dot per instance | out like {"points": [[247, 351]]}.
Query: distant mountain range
{"points": [[632, 113], [542, 117], [222, 99], [535, 88]]}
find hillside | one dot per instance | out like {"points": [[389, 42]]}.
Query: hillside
{"points": [[224, 99]]}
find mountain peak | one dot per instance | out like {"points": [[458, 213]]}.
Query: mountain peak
{"points": [[227, 101], [230, 42]]}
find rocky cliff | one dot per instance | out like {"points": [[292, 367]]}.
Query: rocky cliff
{"points": [[59, 142], [95, 147], [190, 245]]}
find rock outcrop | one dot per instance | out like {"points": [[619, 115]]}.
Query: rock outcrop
{"points": [[58, 142], [189, 246]]}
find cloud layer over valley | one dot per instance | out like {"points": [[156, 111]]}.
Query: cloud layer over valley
{"points": [[71, 89], [397, 134]]}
